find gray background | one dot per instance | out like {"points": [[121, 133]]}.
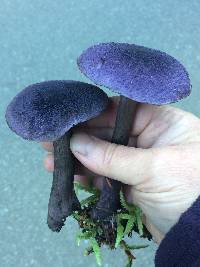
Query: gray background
{"points": [[40, 40]]}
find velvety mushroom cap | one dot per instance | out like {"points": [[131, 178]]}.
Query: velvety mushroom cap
{"points": [[142, 74], [45, 111]]}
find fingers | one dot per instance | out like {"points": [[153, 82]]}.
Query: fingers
{"points": [[102, 133], [48, 146], [49, 162], [129, 165], [159, 126], [153, 125], [106, 119]]}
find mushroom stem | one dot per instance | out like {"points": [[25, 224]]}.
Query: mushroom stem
{"points": [[109, 201], [63, 200]]}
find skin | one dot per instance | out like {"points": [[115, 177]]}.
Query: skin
{"points": [[162, 175]]}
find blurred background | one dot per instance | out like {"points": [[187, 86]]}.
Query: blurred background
{"points": [[40, 40]]}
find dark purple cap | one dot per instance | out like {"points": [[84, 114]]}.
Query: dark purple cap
{"points": [[45, 111], [142, 74]]}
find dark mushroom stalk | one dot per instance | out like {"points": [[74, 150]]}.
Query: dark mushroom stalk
{"points": [[139, 75], [109, 201], [63, 200], [47, 111]]}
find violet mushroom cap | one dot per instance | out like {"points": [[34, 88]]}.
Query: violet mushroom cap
{"points": [[45, 111], [143, 74]]}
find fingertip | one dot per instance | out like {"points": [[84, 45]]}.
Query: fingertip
{"points": [[48, 146], [49, 162]]}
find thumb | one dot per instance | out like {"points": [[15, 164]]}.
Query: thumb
{"points": [[126, 164]]}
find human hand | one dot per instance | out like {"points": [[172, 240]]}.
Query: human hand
{"points": [[162, 173]]}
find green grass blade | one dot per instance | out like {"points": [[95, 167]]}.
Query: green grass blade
{"points": [[120, 233], [97, 251], [129, 225]]}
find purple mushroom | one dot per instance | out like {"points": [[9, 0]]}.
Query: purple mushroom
{"points": [[47, 111], [138, 74]]}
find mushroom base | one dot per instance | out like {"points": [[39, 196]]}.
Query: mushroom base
{"points": [[111, 231]]}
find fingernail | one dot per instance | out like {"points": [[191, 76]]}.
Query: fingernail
{"points": [[82, 144]]}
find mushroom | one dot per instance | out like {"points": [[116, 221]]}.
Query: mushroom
{"points": [[140, 75], [47, 111]]}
